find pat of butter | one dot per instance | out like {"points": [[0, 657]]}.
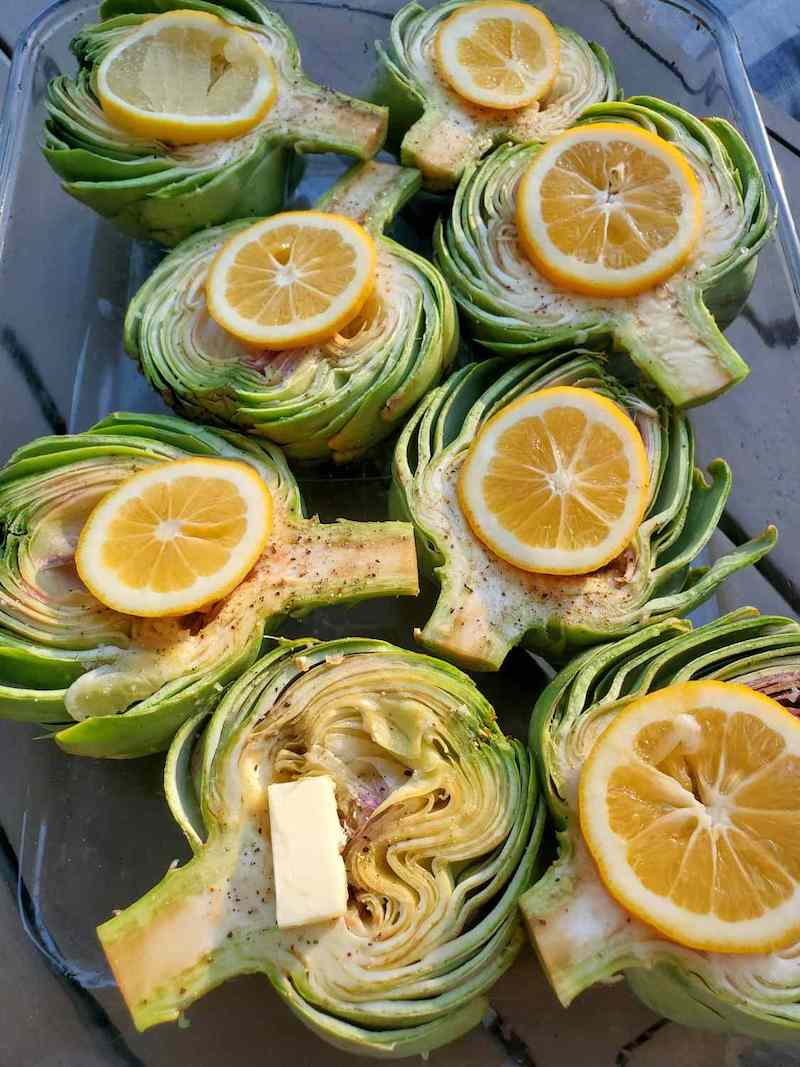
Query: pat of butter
{"points": [[310, 876]]}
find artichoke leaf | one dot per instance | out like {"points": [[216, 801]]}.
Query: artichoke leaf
{"points": [[439, 132], [672, 332], [331, 400], [442, 827], [486, 606], [127, 684], [165, 192], [581, 934]]}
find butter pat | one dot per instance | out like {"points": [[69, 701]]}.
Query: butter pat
{"points": [[310, 876]]}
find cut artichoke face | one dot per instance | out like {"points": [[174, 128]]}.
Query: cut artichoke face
{"points": [[331, 400], [442, 823], [581, 934], [115, 685], [486, 606], [670, 332], [165, 192], [441, 133]]}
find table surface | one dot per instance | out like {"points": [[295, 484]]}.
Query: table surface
{"points": [[607, 1027]]}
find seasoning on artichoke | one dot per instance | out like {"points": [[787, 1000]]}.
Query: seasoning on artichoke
{"points": [[439, 828], [112, 684], [333, 399], [442, 133], [486, 606], [672, 331], [160, 189], [581, 933]]}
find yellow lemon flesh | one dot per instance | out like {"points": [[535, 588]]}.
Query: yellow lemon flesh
{"points": [[690, 804], [187, 77], [292, 279], [498, 55], [608, 210], [557, 482], [175, 537]]}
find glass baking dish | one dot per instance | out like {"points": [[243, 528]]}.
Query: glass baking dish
{"points": [[80, 837]]}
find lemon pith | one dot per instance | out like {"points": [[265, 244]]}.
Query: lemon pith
{"points": [[689, 803], [608, 209], [187, 77], [175, 537], [556, 482]]}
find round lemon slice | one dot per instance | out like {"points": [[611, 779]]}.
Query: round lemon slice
{"points": [[175, 537], [292, 279], [498, 55], [690, 804], [187, 77], [608, 210], [556, 482]]}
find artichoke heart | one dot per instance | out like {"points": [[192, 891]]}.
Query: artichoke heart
{"points": [[116, 685], [581, 933], [433, 128], [165, 192], [671, 332], [442, 822], [330, 400], [486, 606]]}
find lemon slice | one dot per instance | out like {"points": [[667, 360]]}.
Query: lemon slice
{"points": [[176, 537], [690, 804], [187, 77], [608, 210], [498, 55], [292, 279], [557, 482]]}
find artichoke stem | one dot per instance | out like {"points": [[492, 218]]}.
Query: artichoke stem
{"points": [[348, 561], [441, 147], [371, 193], [317, 119]]}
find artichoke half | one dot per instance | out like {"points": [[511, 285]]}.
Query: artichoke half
{"points": [[581, 934], [671, 332], [486, 606], [334, 399], [442, 823], [151, 189], [433, 128], [116, 685]]}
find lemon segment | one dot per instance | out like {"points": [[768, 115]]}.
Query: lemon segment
{"points": [[502, 55], [292, 279], [556, 482], [187, 77], [690, 805], [175, 537], [609, 210]]}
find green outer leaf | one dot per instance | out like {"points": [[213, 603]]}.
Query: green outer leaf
{"points": [[651, 328], [694, 988], [151, 191], [483, 609], [448, 996]]}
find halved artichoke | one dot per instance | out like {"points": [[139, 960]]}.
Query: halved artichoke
{"points": [[671, 332], [115, 685], [486, 606], [433, 128], [151, 189], [581, 934], [333, 399], [443, 825]]}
